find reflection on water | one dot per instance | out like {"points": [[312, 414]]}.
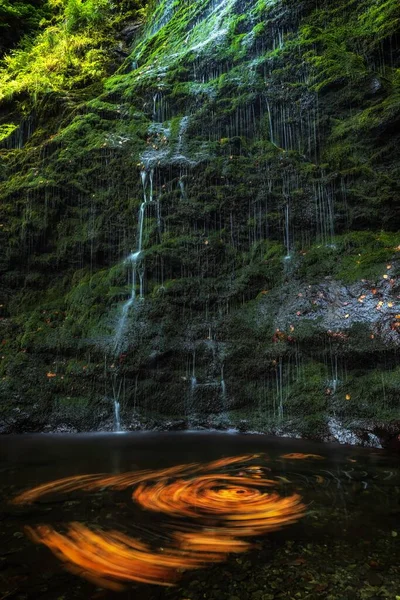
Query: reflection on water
{"points": [[216, 509], [202, 516]]}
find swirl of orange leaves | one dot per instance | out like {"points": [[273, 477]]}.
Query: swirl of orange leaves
{"points": [[236, 502], [217, 511]]}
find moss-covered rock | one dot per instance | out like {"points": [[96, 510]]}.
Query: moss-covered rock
{"points": [[261, 138]]}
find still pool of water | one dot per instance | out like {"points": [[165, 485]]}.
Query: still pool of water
{"points": [[192, 516]]}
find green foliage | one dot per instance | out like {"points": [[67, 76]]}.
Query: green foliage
{"points": [[79, 14], [18, 19], [71, 51]]}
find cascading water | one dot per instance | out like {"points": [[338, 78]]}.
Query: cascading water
{"points": [[135, 259]]}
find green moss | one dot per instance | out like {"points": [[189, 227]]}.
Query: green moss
{"points": [[351, 257], [6, 130]]}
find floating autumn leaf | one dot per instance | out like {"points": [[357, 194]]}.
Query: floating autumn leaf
{"points": [[348, 397]]}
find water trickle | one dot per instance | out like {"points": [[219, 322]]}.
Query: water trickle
{"points": [[223, 396], [125, 310], [117, 418], [151, 177], [140, 227], [192, 390], [279, 390], [335, 375], [135, 259], [143, 176], [190, 403], [223, 390], [155, 106], [287, 231], [182, 130], [181, 184], [271, 129]]}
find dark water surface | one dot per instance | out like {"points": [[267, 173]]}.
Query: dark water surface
{"points": [[346, 546]]}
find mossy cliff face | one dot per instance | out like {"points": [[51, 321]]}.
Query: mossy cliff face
{"points": [[262, 136]]}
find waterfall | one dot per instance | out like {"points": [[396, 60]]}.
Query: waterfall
{"points": [[134, 259]]}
